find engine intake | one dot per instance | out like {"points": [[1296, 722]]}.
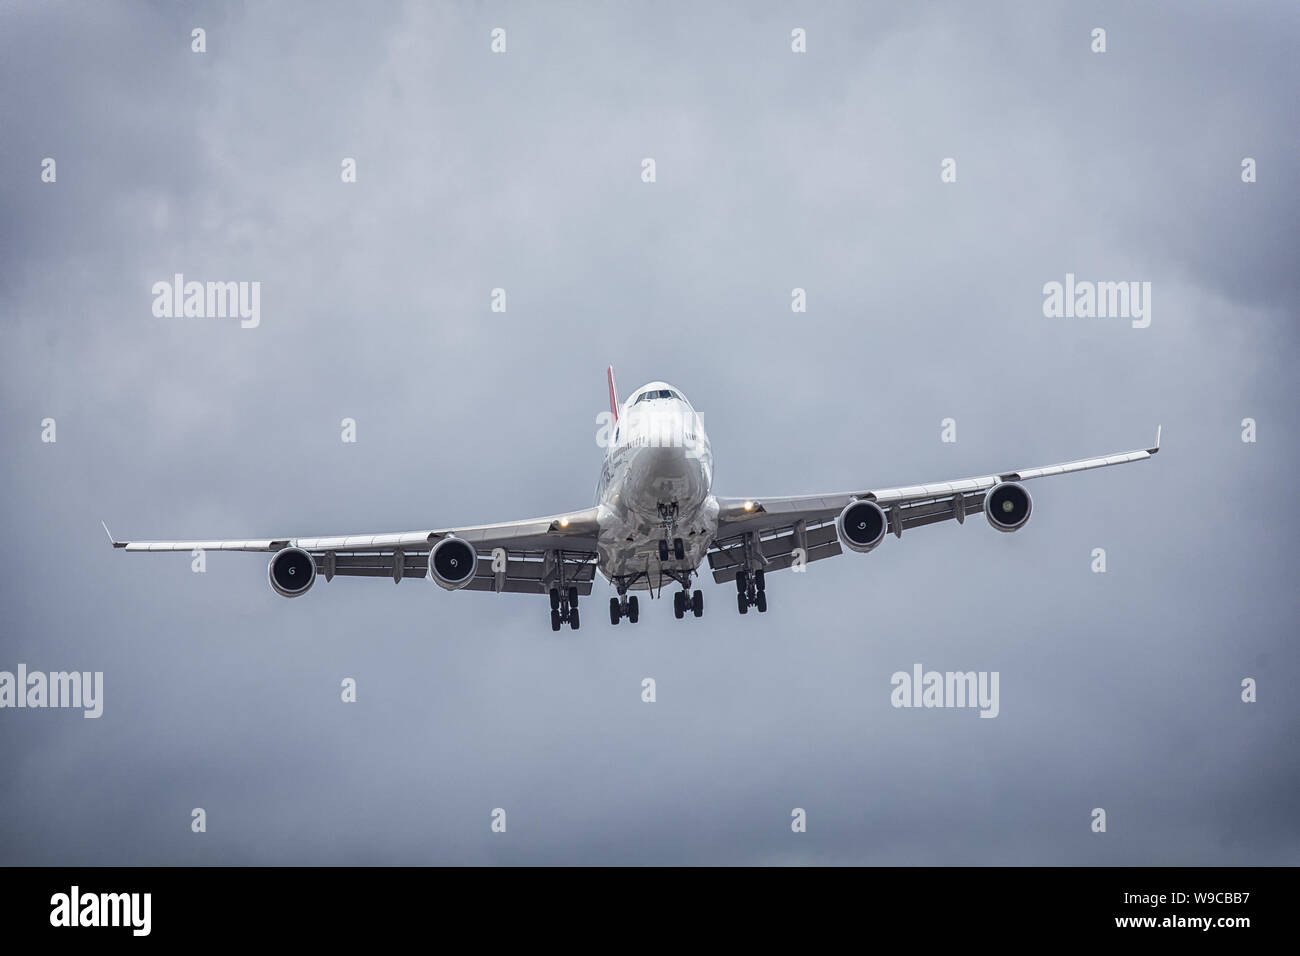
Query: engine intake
{"points": [[1007, 506], [292, 572], [862, 525], [452, 563]]}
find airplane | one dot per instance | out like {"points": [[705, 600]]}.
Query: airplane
{"points": [[655, 522]]}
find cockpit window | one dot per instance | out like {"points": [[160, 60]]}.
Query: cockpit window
{"points": [[655, 393]]}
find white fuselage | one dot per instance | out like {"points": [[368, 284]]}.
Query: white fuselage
{"points": [[655, 485]]}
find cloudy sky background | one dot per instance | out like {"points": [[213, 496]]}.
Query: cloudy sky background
{"points": [[775, 171]]}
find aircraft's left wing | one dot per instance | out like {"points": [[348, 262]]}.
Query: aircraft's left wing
{"points": [[537, 551], [767, 532]]}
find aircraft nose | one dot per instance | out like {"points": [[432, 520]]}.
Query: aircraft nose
{"points": [[666, 433], [667, 457]]}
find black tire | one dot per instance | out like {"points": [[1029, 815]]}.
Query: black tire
{"points": [[633, 610], [679, 604], [573, 618], [679, 549], [742, 605], [758, 579], [761, 602], [663, 550], [615, 612], [573, 596], [555, 619], [555, 600], [742, 582], [697, 604]]}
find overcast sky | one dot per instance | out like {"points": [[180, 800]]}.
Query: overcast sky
{"points": [[775, 170]]}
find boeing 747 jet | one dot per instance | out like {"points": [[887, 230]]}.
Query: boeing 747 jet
{"points": [[654, 524]]}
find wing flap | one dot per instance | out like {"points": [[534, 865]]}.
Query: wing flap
{"points": [[777, 545], [525, 572]]}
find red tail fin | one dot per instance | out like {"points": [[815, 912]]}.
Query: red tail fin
{"points": [[613, 395]]}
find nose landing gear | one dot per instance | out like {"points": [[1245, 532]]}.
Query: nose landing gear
{"points": [[678, 549], [668, 521]]}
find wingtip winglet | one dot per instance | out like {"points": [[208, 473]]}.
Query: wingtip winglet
{"points": [[1156, 448], [111, 540]]}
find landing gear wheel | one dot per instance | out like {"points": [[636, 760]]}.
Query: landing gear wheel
{"points": [[615, 613], [679, 604], [742, 605], [633, 612], [679, 549], [555, 599], [663, 550], [761, 602], [573, 596], [742, 582], [555, 619], [697, 604], [758, 579], [573, 618]]}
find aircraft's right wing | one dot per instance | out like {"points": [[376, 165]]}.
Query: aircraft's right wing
{"points": [[538, 551], [767, 532]]}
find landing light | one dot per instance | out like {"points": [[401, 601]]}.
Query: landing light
{"points": [[564, 522], [749, 506]]}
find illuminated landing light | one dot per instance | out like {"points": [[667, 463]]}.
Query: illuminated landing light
{"points": [[749, 506]]}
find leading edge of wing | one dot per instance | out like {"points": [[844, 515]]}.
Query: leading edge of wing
{"points": [[577, 524]]}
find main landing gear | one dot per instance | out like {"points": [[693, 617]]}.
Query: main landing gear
{"points": [[685, 599], [623, 607], [682, 603], [564, 607], [750, 592]]}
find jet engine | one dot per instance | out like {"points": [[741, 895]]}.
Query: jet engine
{"points": [[452, 563], [862, 525], [292, 572], [1007, 506]]}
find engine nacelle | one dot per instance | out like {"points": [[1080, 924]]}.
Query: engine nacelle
{"points": [[292, 572], [1007, 506], [452, 563], [862, 525]]}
